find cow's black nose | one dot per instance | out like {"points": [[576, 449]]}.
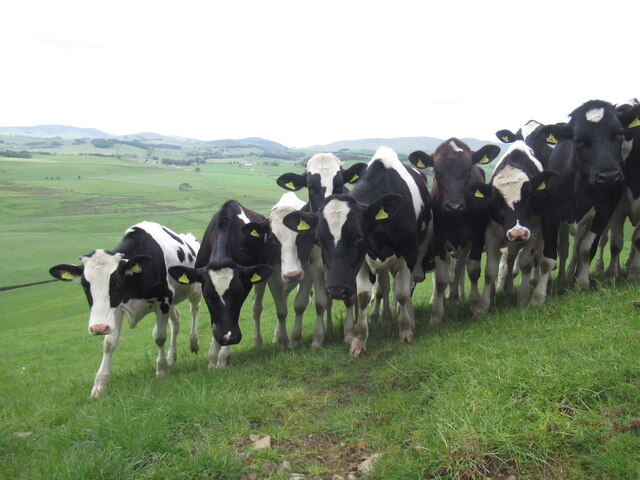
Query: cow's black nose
{"points": [[454, 206], [609, 177]]}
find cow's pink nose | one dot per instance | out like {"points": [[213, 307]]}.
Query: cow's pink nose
{"points": [[518, 234], [100, 329], [291, 277]]}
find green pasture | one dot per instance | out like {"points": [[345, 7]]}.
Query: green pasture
{"points": [[522, 393]]}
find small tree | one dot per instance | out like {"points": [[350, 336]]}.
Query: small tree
{"points": [[185, 186]]}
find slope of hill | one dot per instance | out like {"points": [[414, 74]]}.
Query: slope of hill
{"points": [[49, 131]]}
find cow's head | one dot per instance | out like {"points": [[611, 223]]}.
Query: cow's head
{"points": [[343, 228], [104, 277], [596, 135], [454, 166], [518, 190], [529, 134], [629, 115], [284, 246], [324, 176], [225, 287]]}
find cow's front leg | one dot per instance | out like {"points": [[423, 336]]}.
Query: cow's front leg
{"points": [[402, 293], [361, 331], [101, 380], [160, 337], [256, 311], [440, 281], [218, 355], [300, 303], [277, 287], [194, 301], [174, 321]]}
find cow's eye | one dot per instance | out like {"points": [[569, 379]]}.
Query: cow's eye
{"points": [[581, 143], [618, 135], [359, 239]]}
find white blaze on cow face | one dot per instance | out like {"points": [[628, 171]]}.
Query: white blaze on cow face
{"points": [[335, 213], [454, 146], [327, 166], [528, 128], [509, 182], [595, 115], [221, 280], [243, 216], [289, 259], [97, 271]]}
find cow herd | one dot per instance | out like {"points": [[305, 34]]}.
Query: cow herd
{"points": [[581, 177]]}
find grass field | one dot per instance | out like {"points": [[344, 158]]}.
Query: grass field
{"points": [[523, 393]]}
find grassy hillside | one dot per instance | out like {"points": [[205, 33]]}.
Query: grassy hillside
{"points": [[524, 393]]}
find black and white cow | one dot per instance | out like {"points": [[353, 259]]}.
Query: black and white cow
{"points": [[528, 133], [457, 230], [229, 263], [589, 161], [289, 253], [384, 219], [324, 176], [132, 279], [629, 206], [515, 197]]}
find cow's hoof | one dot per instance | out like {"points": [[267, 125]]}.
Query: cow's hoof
{"points": [[98, 391], [194, 346], [358, 348], [406, 337], [171, 358]]}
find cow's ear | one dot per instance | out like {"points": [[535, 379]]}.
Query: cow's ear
{"points": [[506, 136], [301, 222], [185, 275], [631, 118], [255, 229], [135, 265], [353, 173], [257, 273], [66, 272], [384, 208], [486, 154], [292, 181], [420, 159], [543, 181], [553, 134]]}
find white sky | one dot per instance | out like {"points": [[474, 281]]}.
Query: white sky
{"points": [[311, 72]]}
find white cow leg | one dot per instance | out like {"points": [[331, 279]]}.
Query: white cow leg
{"points": [[584, 259], [349, 322], [633, 263], [599, 266], [525, 263], [321, 305], [563, 253], [475, 302], [101, 380], [300, 304], [256, 311], [160, 337], [194, 309], [218, 355], [440, 281], [490, 275], [361, 330], [615, 247], [540, 293], [384, 287], [402, 293], [280, 335], [174, 323]]}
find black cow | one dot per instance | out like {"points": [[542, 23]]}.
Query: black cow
{"points": [[588, 159], [515, 197], [132, 278], [541, 148], [229, 263], [457, 230], [384, 219]]}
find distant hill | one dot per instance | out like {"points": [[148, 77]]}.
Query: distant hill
{"points": [[404, 145], [51, 131]]}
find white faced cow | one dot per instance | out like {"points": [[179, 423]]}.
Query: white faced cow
{"points": [[589, 160], [290, 255], [529, 134], [132, 279], [457, 229], [384, 219], [229, 263], [515, 198]]}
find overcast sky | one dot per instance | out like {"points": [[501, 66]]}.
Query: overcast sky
{"points": [[311, 72]]}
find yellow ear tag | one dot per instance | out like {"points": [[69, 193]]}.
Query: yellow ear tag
{"points": [[302, 226], [479, 194], [551, 139], [484, 160], [136, 268], [381, 215], [184, 278], [255, 278], [635, 123], [254, 233], [290, 185], [355, 177], [67, 275], [506, 139], [542, 186], [420, 164]]}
